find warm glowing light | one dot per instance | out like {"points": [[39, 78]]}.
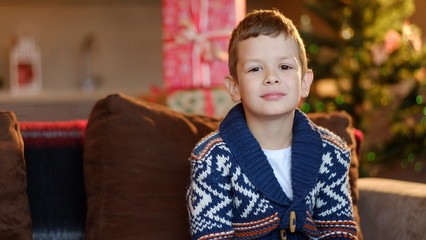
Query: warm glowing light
{"points": [[305, 20], [347, 33], [327, 87], [305, 23]]}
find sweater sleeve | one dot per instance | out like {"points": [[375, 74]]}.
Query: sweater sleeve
{"points": [[333, 213], [208, 196]]}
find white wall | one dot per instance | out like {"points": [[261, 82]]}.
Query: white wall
{"points": [[127, 48]]}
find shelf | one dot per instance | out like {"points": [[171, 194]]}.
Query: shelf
{"points": [[73, 2], [62, 96], [54, 105]]}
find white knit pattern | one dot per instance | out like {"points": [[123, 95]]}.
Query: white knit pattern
{"points": [[214, 200], [202, 207], [205, 211], [254, 204], [333, 198]]}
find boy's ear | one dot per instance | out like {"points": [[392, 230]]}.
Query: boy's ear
{"points": [[307, 79], [232, 86]]}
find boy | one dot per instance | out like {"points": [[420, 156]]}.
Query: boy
{"points": [[269, 172]]}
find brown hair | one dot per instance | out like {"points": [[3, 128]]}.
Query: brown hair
{"points": [[263, 22]]}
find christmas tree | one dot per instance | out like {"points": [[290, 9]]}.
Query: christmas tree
{"points": [[372, 65]]}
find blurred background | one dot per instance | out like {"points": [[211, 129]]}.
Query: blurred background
{"points": [[368, 58]]}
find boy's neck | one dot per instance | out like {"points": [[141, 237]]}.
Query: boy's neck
{"points": [[272, 133]]}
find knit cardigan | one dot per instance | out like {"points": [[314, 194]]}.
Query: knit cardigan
{"points": [[233, 192]]}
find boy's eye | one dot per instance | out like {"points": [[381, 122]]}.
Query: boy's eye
{"points": [[284, 67], [254, 69]]}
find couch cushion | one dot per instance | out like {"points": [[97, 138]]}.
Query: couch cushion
{"points": [[15, 219], [392, 209], [136, 171]]}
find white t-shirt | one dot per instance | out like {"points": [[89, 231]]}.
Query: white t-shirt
{"points": [[280, 161]]}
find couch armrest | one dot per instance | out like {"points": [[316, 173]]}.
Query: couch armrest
{"points": [[392, 209]]}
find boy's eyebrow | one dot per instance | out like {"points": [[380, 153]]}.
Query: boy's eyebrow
{"points": [[288, 57], [250, 60]]}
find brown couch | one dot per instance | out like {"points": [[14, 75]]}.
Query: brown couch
{"points": [[121, 174], [392, 209]]}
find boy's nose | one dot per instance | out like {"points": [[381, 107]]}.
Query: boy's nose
{"points": [[271, 82], [271, 79]]}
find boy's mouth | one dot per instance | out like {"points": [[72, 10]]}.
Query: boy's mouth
{"points": [[273, 96]]}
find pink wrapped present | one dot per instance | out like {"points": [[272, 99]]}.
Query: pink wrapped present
{"points": [[196, 34]]}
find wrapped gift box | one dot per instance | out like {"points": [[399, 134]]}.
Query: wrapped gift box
{"points": [[196, 34], [209, 102]]}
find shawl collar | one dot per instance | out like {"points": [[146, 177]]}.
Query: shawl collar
{"points": [[306, 156]]}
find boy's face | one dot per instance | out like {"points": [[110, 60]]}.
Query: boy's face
{"points": [[270, 79]]}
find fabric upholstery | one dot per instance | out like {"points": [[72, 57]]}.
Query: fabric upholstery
{"points": [[15, 219], [136, 171], [392, 209], [54, 156]]}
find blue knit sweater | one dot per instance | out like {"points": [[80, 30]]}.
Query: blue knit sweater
{"points": [[233, 193]]}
